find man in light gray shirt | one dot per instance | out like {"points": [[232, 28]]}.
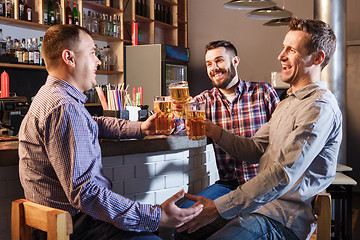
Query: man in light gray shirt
{"points": [[297, 149]]}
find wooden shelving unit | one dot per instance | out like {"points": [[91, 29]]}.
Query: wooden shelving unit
{"points": [[152, 30]]}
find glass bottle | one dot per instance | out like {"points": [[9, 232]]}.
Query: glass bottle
{"points": [[10, 51], [30, 50], [24, 51], [2, 8], [68, 14], [144, 8], [18, 51], [8, 9], [41, 62], [57, 12], [45, 10], [100, 24], [75, 15], [51, 13], [94, 27], [21, 10], [98, 55], [36, 51], [88, 21], [2, 44], [27, 12]]}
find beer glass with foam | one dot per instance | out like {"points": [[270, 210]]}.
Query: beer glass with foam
{"points": [[180, 92], [164, 121], [195, 115]]}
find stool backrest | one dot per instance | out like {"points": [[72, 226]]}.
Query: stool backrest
{"points": [[322, 210], [26, 214]]}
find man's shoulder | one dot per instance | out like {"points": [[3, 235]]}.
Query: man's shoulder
{"points": [[50, 98], [258, 86]]}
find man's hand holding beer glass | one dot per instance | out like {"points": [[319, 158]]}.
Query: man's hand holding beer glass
{"points": [[211, 129]]}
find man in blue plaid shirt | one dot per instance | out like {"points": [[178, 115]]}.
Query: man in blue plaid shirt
{"points": [[60, 156]]}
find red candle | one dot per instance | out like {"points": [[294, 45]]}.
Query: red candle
{"points": [[4, 84], [134, 33]]}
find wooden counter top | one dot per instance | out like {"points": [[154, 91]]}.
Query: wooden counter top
{"points": [[156, 143]]}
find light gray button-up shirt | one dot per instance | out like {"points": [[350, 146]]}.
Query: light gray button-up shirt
{"points": [[297, 151]]}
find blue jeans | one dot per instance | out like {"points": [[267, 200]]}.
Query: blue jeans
{"points": [[249, 227], [214, 191], [254, 226]]}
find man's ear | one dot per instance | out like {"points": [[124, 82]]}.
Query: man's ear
{"points": [[236, 61], [68, 57], [319, 57]]}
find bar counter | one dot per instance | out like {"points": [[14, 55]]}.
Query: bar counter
{"points": [[149, 170], [156, 143]]}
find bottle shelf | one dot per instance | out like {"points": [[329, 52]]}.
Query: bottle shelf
{"points": [[164, 25], [105, 72], [23, 66], [23, 24], [100, 8]]}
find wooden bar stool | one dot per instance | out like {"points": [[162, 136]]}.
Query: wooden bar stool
{"points": [[322, 211], [26, 214]]}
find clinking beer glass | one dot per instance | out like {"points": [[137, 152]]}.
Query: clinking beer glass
{"points": [[164, 121], [195, 115], [180, 92]]}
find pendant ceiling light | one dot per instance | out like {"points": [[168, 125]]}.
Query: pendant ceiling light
{"points": [[249, 4], [269, 13], [278, 22]]}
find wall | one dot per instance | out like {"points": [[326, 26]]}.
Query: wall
{"points": [[353, 89], [258, 46]]}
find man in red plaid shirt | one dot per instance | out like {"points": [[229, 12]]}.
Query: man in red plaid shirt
{"points": [[238, 106]]}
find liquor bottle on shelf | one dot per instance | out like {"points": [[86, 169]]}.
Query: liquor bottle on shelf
{"points": [[41, 62], [57, 12], [21, 10], [144, 8], [9, 9], [27, 12], [36, 51], [162, 13], [51, 13], [137, 7], [98, 55], [25, 52], [87, 20], [139, 34], [68, 14], [157, 12], [30, 50], [45, 10], [2, 44], [75, 15], [95, 23], [104, 58], [168, 16], [18, 51], [2, 8], [100, 23], [10, 51]]}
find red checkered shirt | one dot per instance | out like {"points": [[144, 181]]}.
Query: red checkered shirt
{"points": [[251, 108]]}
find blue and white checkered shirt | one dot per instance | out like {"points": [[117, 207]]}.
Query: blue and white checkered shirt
{"points": [[60, 159]]}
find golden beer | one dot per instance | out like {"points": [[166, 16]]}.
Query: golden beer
{"points": [[180, 92], [195, 115], [163, 123]]}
